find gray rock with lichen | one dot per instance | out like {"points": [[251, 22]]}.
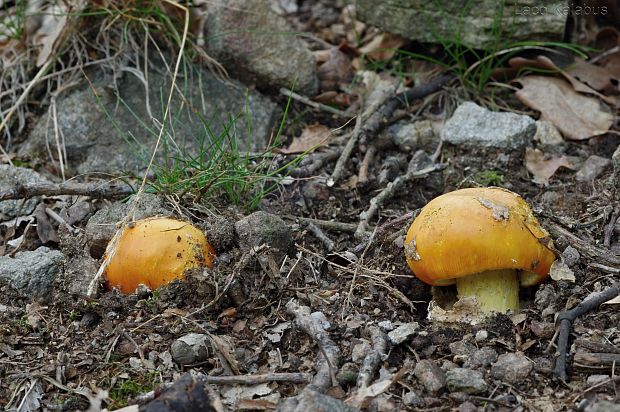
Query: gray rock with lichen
{"points": [[32, 273], [475, 126], [471, 24]]}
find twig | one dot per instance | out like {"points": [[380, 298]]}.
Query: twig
{"points": [[293, 377], [609, 229], [320, 106], [346, 153], [362, 176], [383, 229], [98, 190], [584, 247], [329, 224], [566, 320], [312, 325], [604, 268], [374, 357], [389, 191], [314, 162], [318, 233], [378, 120]]}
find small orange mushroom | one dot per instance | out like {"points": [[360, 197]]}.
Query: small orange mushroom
{"points": [[486, 240], [156, 251]]}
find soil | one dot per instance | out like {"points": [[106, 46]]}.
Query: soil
{"points": [[74, 347]]}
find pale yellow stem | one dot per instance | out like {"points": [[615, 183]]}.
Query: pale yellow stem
{"points": [[495, 290]]}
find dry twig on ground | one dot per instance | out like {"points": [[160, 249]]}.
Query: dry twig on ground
{"points": [[374, 357], [97, 190], [566, 319], [313, 325]]}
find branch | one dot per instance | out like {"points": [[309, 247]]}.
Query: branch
{"points": [[97, 190], [567, 318]]}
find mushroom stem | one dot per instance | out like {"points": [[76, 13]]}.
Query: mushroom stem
{"points": [[495, 290]]}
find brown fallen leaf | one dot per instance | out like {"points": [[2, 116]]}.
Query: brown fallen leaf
{"points": [[577, 116], [596, 77], [48, 25], [542, 167], [611, 63], [313, 136], [383, 46], [545, 63], [336, 70]]}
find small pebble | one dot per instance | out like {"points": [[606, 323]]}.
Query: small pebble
{"points": [[403, 332]]}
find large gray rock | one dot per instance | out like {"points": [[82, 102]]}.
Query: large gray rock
{"points": [[10, 176], [469, 23], [257, 45], [474, 126], [116, 134], [32, 273]]}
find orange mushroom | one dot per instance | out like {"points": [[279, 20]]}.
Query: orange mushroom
{"points": [[486, 240], [156, 251]]}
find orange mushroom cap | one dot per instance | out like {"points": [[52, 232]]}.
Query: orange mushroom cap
{"points": [[156, 251], [475, 230]]}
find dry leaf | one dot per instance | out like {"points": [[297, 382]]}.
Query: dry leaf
{"points": [[578, 117], [383, 46], [336, 71], [312, 137], [545, 63], [49, 24], [596, 77], [614, 301], [560, 271], [541, 167]]}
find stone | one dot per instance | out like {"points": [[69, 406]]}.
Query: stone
{"points": [[481, 335], [482, 357], [475, 127], [592, 168], [473, 24], [603, 406], [431, 376], [548, 138], [101, 227], [461, 347], [113, 132], [10, 176], [190, 348], [465, 380], [597, 380], [261, 48], [412, 136], [571, 256], [467, 407], [311, 400], [413, 399], [512, 367], [32, 273], [360, 350], [403, 332], [264, 228]]}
